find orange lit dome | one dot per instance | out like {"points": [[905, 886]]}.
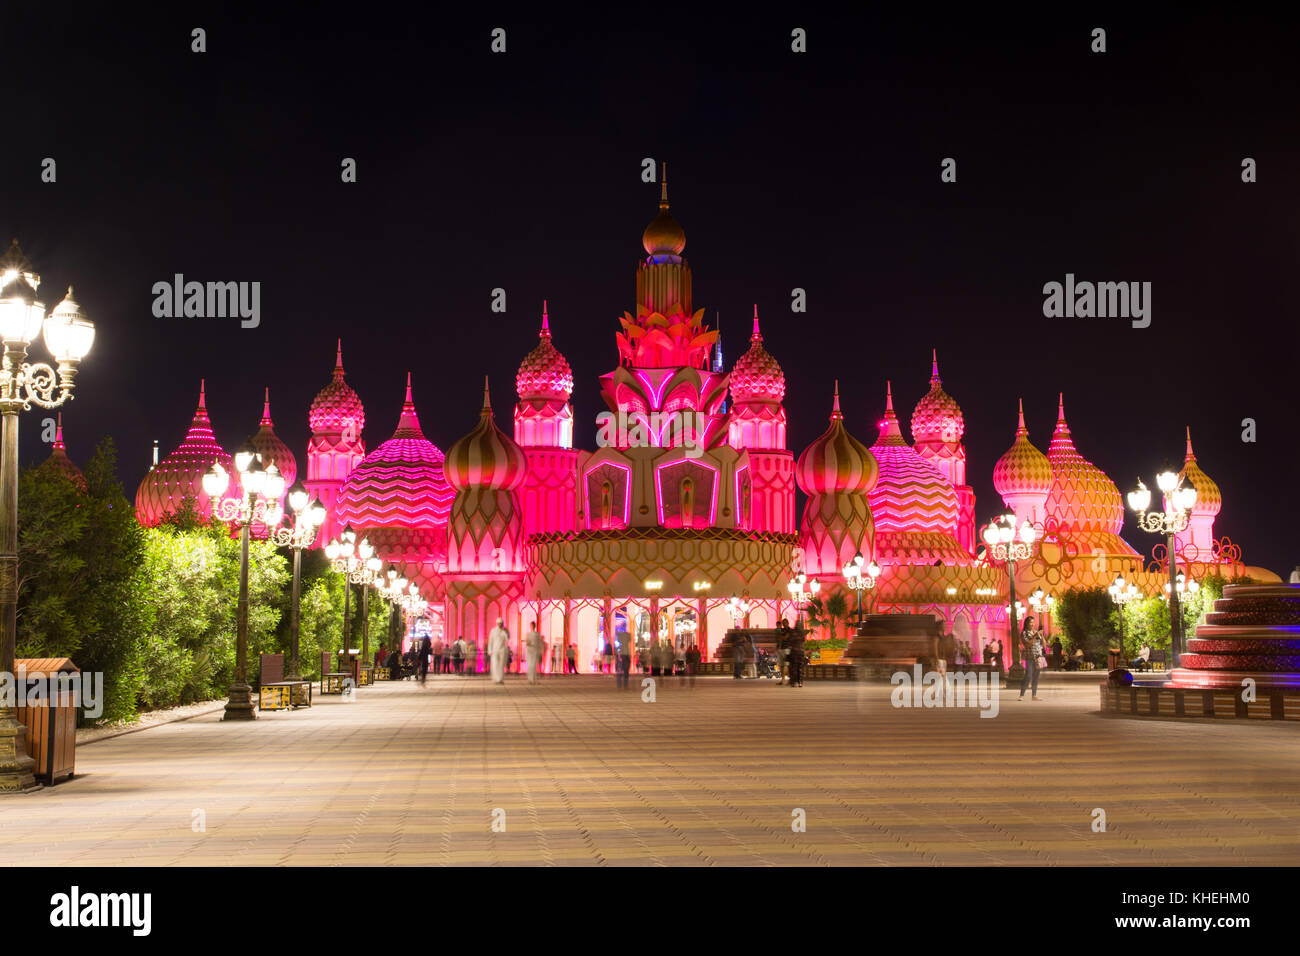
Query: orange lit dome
{"points": [[1208, 497], [910, 494], [486, 458], [544, 373], [836, 462], [757, 376], [1082, 498], [1022, 469], [271, 448], [337, 406], [937, 416]]}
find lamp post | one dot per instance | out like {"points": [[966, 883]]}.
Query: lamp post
{"points": [[259, 500], [739, 608], [356, 561], [1042, 603], [1008, 543], [1177, 500], [1121, 592], [307, 517], [855, 579], [68, 335], [799, 594]]}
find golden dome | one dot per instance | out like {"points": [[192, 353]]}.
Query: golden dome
{"points": [[664, 236], [1208, 497], [1022, 469]]}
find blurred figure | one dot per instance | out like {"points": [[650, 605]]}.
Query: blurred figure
{"points": [[624, 659], [422, 657], [737, 658], [471, 655], [607, 664], [692, 661], [571, 659], [498, 650], [797, 659], [782, 649], [533, 647]]}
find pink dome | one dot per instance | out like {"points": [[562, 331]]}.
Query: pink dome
{"points": [[836, 462], [180, 474], [337, 405], [400, 484], [910, 494], [544, 373], [487, 457], [1082, 498], [1022, 469], [757, 376], [1209, 500], [60, 463], [271, 448], [937, 416]]}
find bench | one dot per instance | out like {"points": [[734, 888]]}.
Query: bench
{"points": [[366, 675], [284, 695], [336, 683]]}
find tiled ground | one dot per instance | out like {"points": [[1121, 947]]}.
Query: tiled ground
{"points": [[588, 775]]}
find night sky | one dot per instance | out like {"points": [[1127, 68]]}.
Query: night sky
{"points": [[819, 171]]}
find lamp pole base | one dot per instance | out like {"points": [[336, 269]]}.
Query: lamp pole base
{"points": [[16, 767], [239, 705]]}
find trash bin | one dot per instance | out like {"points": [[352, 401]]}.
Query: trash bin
{"points": [[51, 720], [1114, 658]]}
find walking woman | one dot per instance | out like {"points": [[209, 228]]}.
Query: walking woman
{"points": [[1034, 649]]}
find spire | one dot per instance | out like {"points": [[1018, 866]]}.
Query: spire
{"points": [[836, 414], [338, 361], [546, 322], [203, 401], [408, 426], [757, 336], [58, 432], [890, 432], [663, 189], [1060, 408], [934, 368], [1020, 425], [266, 408], [889, 396], [1191, 455], [487, 399]]}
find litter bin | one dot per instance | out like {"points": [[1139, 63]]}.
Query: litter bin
{"points": [[50, 717], [1113, 658]]}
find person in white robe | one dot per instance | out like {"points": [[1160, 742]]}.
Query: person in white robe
{"points": [[498, 648], [534, 646]]}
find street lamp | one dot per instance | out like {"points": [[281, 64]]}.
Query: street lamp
{"points": [[1008, 543], [1121, 592], [858, 581], [68, 335], [800, 595], [259, 500], [739, 608], [1042, 603], [307, 517], [1177, 501], [357, 562]]}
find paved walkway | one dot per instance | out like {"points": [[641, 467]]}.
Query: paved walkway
{"points": [[710, 776]]}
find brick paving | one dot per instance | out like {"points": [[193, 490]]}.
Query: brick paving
{"points": [[710, 776]]}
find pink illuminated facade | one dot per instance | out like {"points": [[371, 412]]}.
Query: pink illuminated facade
{"points": [[336, 418], [178, 478]]}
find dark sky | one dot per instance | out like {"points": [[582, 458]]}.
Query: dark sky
{"points": [[819, 171]]}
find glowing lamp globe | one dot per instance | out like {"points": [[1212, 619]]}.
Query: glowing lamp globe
{"points": [[21, 313], [814, 585], [990, 535], [1140, 500], [244, 457], [316, 513], [392, 572], [1184, 498], [1167, 480], [215, 481], [365, 550], [873, 569], [273, 483], [1027, 534], [333, 551], [68, 333], [298, 498], [273, 514], [253, 480]]}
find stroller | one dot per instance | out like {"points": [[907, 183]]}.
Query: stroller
{"points": [[766, 665]]}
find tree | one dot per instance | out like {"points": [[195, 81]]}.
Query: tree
{"points": [[824, 612], [1088, 619]]}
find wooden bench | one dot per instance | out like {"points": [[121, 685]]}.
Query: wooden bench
{"points": [[336, 683], [365, 675], [284, 695]]}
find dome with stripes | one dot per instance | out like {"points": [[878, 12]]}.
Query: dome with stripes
{"points": [[486, 458], [836, 462]]}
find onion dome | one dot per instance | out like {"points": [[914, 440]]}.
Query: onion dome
{"points": [[544, 374], [910, 493], [1208, 497], [1022, 469], [180, 474], [337, 405], [836, 463], [1082, 498], [757, 376], [486, 458], [400, 484], [937, 416], [663, 237], [60, 463], [271, 448]]}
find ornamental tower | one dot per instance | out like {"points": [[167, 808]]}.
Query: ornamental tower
{"points": [[485, 534], [836, 472], [757, 425], [937, 429], [336, 418], [179, 476], [544, 429], [59, 462], [1023, 476], [1197, 539], [273, 450]]}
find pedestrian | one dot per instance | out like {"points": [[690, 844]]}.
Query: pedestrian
{"points": [[456, 656], [471, 656], [534, 645], [995, 653], [438, 650], [782, 648], [1031, 642], [624, 659], [422, 659], [381, 655], [737, 658], [796, 663], [608, 662], [498, 650], [692, 661], [751, 658], [571, 659]]}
